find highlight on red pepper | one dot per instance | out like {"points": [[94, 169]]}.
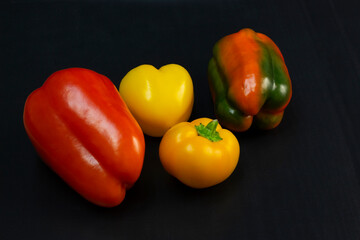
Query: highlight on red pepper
{"points": [[249, 81], [84, 132]]}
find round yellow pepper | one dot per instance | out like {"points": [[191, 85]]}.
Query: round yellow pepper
{"points": [[199, 153], [158, 99]]}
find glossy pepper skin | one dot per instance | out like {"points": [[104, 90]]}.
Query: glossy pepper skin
{"points": [[158, 98], [249, 81], [195, 160], [83, 131]]}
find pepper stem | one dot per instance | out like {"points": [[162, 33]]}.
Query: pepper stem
{"points": [[209, 131]]}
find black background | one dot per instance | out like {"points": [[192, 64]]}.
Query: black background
{"points": [[299, 181]]}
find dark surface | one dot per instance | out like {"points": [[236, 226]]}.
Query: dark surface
{"points": [[299, 181]]}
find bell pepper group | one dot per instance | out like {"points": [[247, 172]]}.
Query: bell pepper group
{"points": [[249, 81], [91, 134], [83, 130]]}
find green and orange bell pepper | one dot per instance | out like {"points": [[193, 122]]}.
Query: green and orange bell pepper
{"points": [[82, 129], [249, 81]]}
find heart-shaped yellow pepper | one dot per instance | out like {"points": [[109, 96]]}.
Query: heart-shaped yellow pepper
{"points": [[158, 98]]}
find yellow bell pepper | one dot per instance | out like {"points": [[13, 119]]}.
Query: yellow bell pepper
{"points": [[199, 153], [158, 99]]}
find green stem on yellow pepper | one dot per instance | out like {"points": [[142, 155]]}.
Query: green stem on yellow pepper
{"points": [[209, 131]]}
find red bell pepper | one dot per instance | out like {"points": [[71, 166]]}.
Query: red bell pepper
{"points": [[82, 129]]}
